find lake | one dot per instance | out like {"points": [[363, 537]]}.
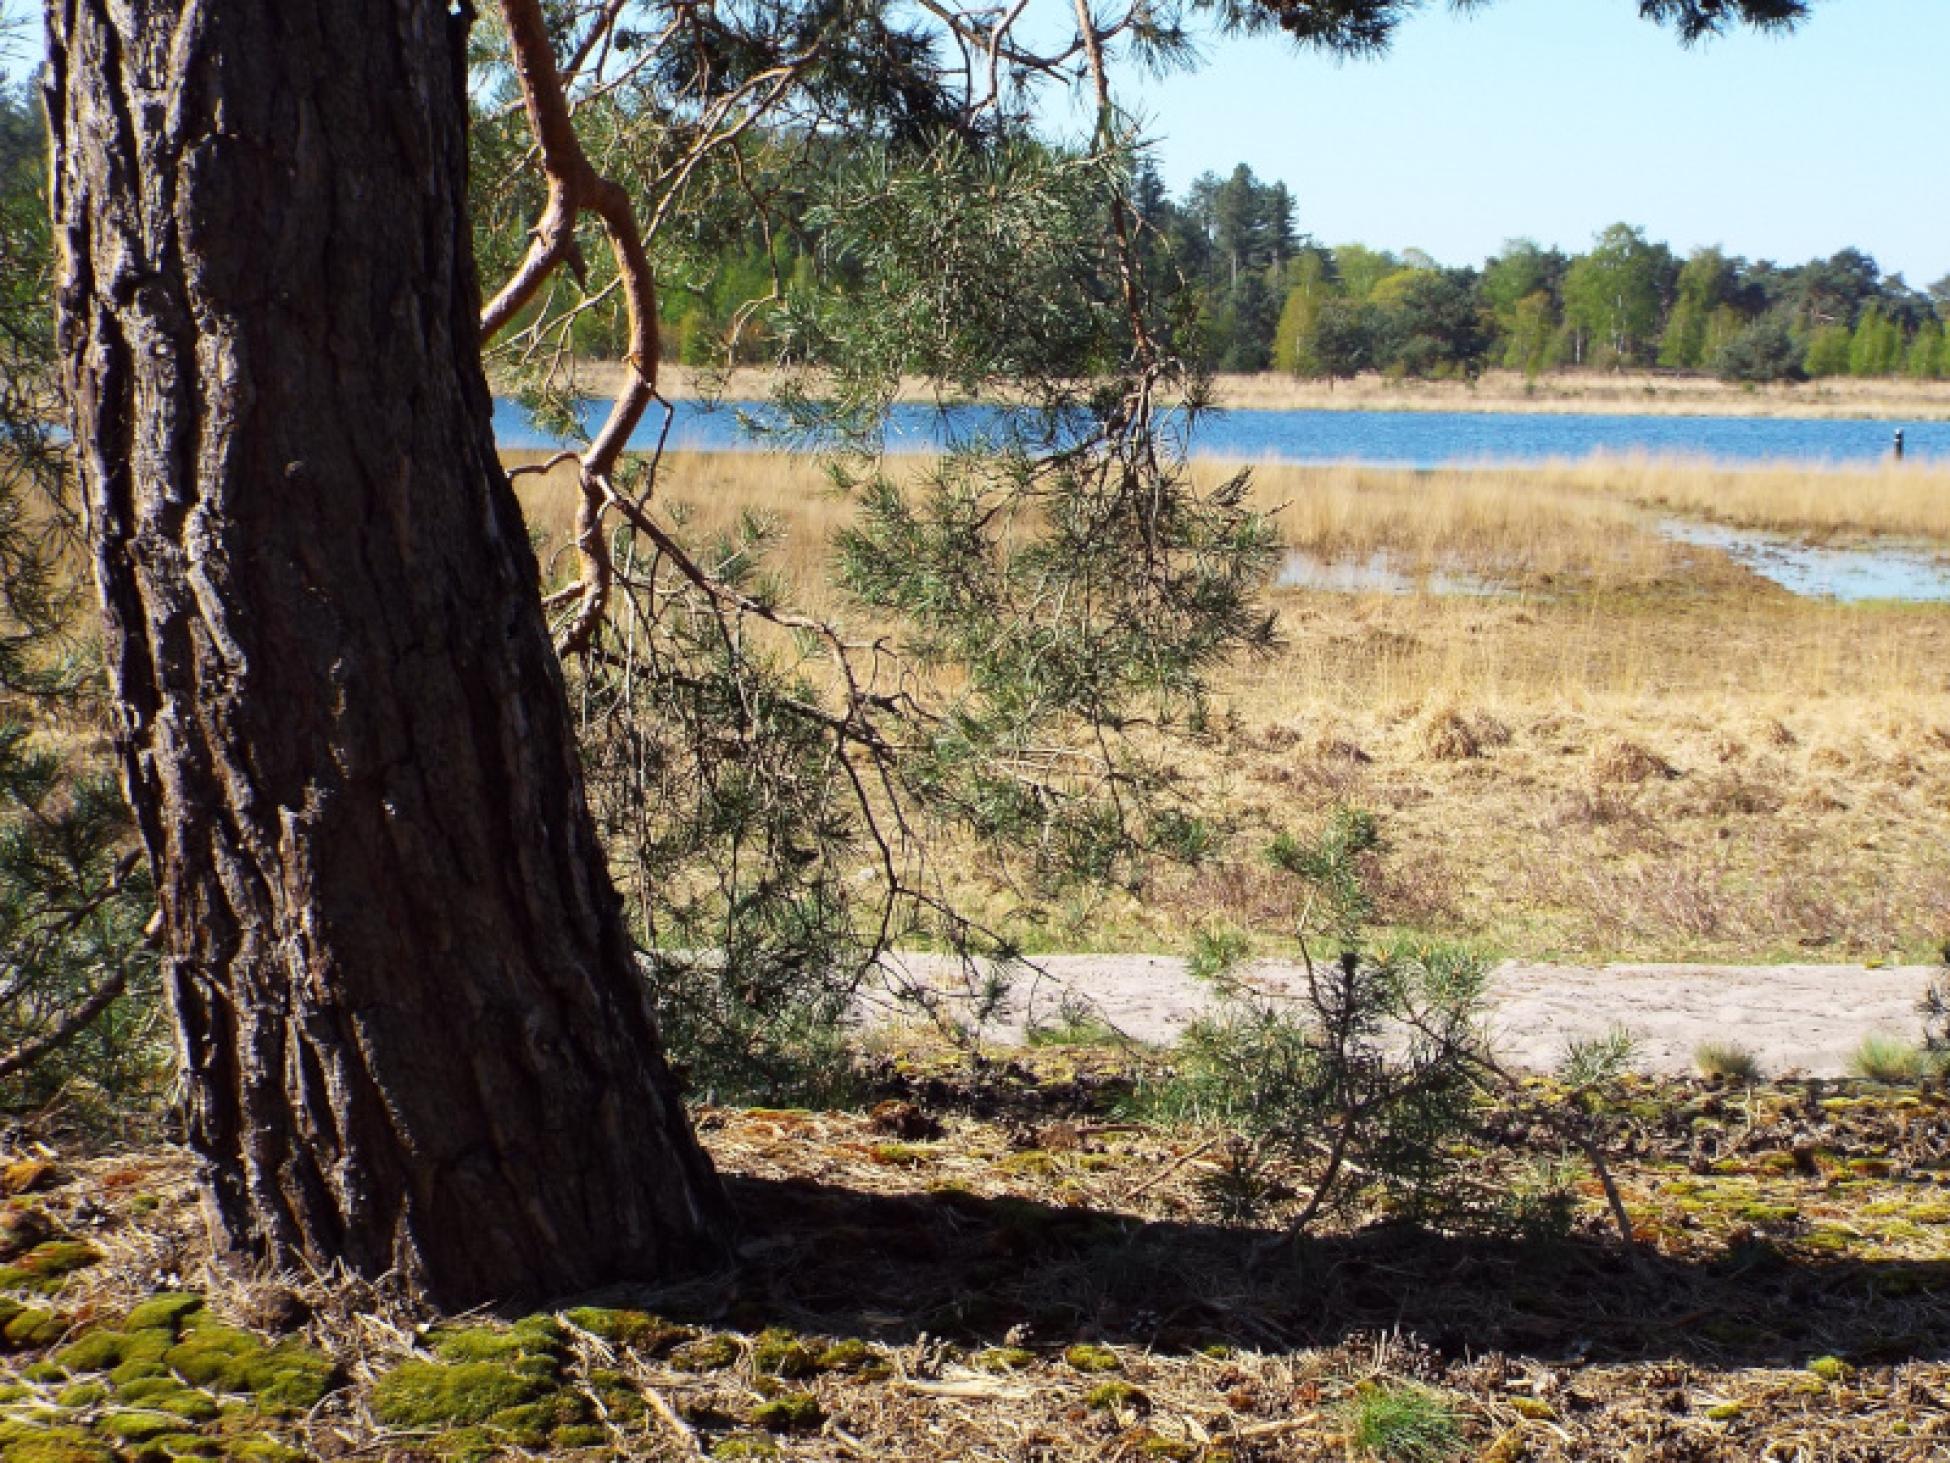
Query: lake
{"points": [[1377, 439]]}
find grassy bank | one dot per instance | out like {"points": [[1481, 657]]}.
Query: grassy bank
{"points": [[1640, 750], [1628, 393]]}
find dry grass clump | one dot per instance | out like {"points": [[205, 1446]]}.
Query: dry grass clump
{"points": [[1727, 1060], [1447, 737], [1620, 762]]}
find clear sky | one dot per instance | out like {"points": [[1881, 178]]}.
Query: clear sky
{"points": [[1555, 118]]}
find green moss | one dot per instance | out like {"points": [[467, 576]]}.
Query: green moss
{"points": [[287, 1376], [580, 1435], [789, 1412], [1003, 1359], [621, 1401], [30, 1328], [23, 1442], [1831, 1368], [1033, 1161], [163, 1312], [82, 1394], [1769, 1213], [1725, 1411], [100, 1351], [137, 1371], [745, 1445], [170, 1447], [779, 1353], [292, 1376], [900, 1155], [46, 1268], [143, 1388], [213, 1356], [852, 1355], [14, 1391], [430, 1394], [1154, 1445], [190, 1405], [1116, 1397], [636, 1330], [706, 1354], [1084, 1357], [140, 1427], [262, 1450], [536, 1422]]}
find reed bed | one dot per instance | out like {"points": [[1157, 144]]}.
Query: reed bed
{"points": [[1895, 500]]}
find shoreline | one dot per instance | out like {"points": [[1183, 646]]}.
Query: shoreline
{"points": [[1640, 393]]}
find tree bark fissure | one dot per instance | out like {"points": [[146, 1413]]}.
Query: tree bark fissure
{"points": [[415, 1036]]}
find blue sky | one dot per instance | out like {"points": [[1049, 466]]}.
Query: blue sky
{"points": [[1555, 118]]}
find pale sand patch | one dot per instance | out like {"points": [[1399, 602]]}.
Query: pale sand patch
{"points": [[1797, 1019]]}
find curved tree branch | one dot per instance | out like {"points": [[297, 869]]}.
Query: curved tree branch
{"points": [[575, 188]]}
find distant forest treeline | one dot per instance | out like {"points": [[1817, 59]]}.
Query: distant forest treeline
{"points": [[1260, 295], [1270, 297]]}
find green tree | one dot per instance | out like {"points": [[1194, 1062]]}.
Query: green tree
{"points": [[1312, 279], [1612, 297], [1705, 287], [1361, 269], [1828, 351], [1519, 287], [1876, 347], [1925, 359], [1764, 351], [1342, 343], [1439, 326]]}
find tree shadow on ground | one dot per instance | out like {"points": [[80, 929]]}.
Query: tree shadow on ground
{"points": [[888, 1267]]}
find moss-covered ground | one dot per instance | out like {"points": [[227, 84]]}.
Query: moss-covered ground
{"points": [[1040, 1277]]}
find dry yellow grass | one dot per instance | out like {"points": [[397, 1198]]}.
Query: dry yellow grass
{"points": [[1522, 529], [1645, 751], [1904, 500], [1629, 393]]}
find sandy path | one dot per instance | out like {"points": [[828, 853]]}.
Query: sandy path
{"points": [[1798, 1019]]}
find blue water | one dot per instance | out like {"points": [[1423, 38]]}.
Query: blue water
{"points": [[1371, 438]]}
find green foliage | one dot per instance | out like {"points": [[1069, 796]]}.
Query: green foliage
{"points": [[1828, 352], [1333, 867], [73, 902], [1612, 296], [1763, 351], [1884, 1058], [1403, 1422], [77, 984], [1876, 348]]}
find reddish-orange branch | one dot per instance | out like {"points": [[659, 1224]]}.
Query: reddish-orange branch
{"points": [[575, 188]]}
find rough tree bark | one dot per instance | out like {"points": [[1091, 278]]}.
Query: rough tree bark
{"points": [[414, 1033]]}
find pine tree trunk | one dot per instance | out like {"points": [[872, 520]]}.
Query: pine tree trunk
{"points": [[413, 1031]]}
